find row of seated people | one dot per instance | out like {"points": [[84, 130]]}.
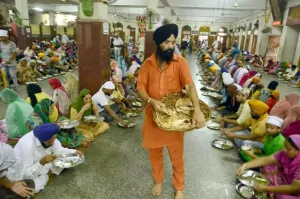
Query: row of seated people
{"points": [[257, 118], [42, 61], [32, 126]]}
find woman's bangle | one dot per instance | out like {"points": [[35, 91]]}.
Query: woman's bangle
{"points": [[149, 100]]}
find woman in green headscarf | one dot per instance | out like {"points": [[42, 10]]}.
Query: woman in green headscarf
{"points": [[18, 111], [71, 138], [84, 106]]}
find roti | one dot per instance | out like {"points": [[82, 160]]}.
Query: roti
{"points": [[184, 105]]}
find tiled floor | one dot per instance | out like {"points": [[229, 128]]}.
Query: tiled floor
{"points": [[117, 167]]}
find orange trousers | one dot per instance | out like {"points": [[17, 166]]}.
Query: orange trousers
{"points": [[176, 156]]}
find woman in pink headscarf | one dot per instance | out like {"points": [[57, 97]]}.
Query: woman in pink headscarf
{"points": [[281, 108], [247, 76], [292, 115], [286, 183]]}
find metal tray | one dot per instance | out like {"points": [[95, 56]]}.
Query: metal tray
{"points": [[222, 144], [137, 104], [214, 126], [68, 124], [131, 114], [93, 118], [68, 160], [244, 191], [140, 100], [130, 124], [30, 83], [251, 178]]}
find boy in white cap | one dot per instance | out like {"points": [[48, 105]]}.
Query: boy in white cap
{"points": [[9, 53], [274, 140]]}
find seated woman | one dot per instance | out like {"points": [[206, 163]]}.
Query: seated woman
{"points": [[128, 93], [247, 76], [32, 65], [293, 115], [35, 95], [269, 65], [274, 98], [71, 138], [71, 85], [84, 106], [24, 73], [60, 97], [274, 140], [18, 111], [285, 184], [281, 108], [275, 68]]}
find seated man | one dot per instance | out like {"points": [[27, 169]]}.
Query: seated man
{"points": [[12, 189], [242, 114], [291, 73], [101, 99], [118, 97], [36, 152], [230, 106], [256, 137]]}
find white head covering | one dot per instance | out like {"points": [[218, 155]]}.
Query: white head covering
{"points": [[227, 79], [109, 85], [212, 62], [274, 120], [3, 33]]}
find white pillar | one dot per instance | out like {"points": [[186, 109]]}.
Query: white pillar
{"points": [[168, 13], [100, 11], [52, 20], [22, 7]]}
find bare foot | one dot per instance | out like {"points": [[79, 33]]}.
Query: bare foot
{"points": [[179, 195], [157, 189]]}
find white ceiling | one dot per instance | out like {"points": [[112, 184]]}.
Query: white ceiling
{"points": [[203, 11]]}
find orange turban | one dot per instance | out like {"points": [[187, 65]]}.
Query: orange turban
{"points": [[258, 106], [55, 59], [255, 80], [206, 60], [276, 94]]}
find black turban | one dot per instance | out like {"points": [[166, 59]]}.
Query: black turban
{"points": [[273, 85], [162, 33]]}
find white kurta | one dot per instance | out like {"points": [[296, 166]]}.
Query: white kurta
{"points": [[30, 151]]}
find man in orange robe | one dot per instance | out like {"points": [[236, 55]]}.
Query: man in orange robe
{"points": [[161, 74]]}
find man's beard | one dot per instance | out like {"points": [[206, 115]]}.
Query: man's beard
{"points": [[256, 117], [166, 55], [45, 145]]}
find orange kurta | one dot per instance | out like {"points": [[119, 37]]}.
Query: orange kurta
{"points": [[158, 83]]}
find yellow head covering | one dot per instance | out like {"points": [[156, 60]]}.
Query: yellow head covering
{"points": [[41, 55], [256, 80], [258, 106], [55, 59], [207, 56], [276, 94], [206, 60]]}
